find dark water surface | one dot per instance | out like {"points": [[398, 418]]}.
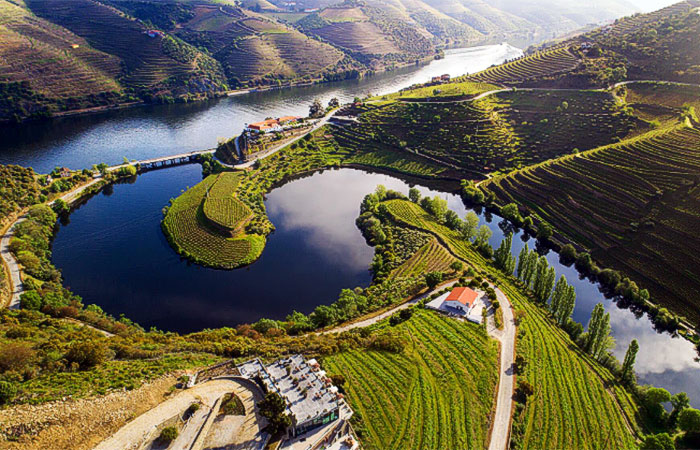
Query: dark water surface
{"points": [[150, 131], [113, 253]]}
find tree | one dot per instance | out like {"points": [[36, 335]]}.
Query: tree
{"points": [[567, 255], [334, 102], [432, 279], [30, 300], [456, 266], [452, 220], [598, 331], [273, 408], [563, 301], [469, 226], [544, 280], [482, 236], [504, 259], [511, 212], [522, 261], [436, 207], [530, 268], [316, 109], [414, 195], [653, 399], [660, 441], [679, 402], [544, 232], [689, 420], [627, 371], [323, 316]]}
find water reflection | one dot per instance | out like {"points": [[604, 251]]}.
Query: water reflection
{"points": [[113, 253], [156, 130]]}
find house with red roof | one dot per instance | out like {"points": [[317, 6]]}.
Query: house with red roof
{"points": [[462, 298]]}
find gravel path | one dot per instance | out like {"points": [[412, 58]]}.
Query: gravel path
{"points": [[132, 435], [15, 279]]}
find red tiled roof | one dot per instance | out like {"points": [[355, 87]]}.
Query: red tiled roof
{"points": [[463, 295], [288, 118]]}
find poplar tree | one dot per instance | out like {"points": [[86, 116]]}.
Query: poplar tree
{"points": [[598, 331], [627, 371], [530, 269], [522, 261], [566, 306], [503, 258], [544, 279], [558, 296]]}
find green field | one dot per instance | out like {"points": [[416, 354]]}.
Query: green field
{"points": [[188, 231], [576, 402], [501, 132], [437, 394], [635, 205], [460, 88]]}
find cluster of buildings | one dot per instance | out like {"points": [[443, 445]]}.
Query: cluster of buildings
{"points": [[314, 404], [440, 79], [460, 302], [273, 125]]}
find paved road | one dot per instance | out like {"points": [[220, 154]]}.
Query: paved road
{"points": [[132, 435], [504, 398], [384, 315]]}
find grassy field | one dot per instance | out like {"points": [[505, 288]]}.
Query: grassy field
{"points": [[576, 402], [438, 393], [188, 231], [635, 205]]}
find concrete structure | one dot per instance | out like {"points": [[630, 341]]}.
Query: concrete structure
{"points": [[312, 400]]}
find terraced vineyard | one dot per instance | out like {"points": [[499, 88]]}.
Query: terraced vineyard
{"points": [[148, 60], [222, 208], [576, 402], [187, 231], [504, 131], [432, 257], [634, 204], [530, 68], [438, 393], [460, 88]]}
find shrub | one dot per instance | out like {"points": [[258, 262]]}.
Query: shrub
{"points": [[15, 356], [168, 435], [30, 300], [86, 354], [7, 392]]}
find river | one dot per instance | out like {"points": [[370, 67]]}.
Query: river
{"points": [[112, 252], [145, 132]]}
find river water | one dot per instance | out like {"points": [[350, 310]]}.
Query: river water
{"points": [[158, 130], [113, 253]]}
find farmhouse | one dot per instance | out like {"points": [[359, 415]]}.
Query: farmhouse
{"points": [[445, 77], [461, 302], [462, 298], [271, 125], [65, 172], [312, 400]]}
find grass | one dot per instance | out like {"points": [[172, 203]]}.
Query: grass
{"points": [[438, 393], [635, 205], [576, 402], [188, 231]]}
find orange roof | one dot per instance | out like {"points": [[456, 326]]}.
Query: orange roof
{"points": [[463, 295], [288, 118]]}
